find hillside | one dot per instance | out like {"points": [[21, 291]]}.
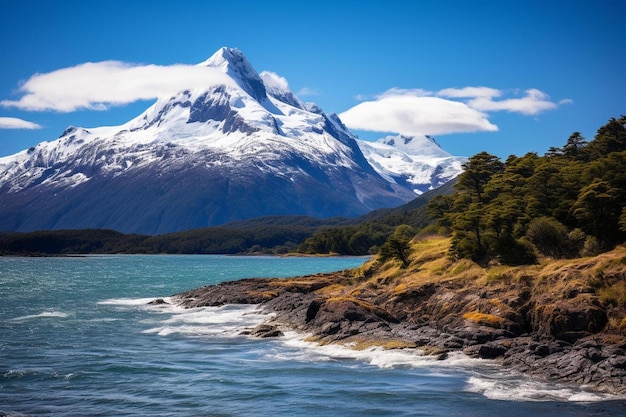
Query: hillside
{"points": [[371, 231], [567, 203]]}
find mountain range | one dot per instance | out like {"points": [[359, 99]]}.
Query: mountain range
{"points": [[242, 147]]}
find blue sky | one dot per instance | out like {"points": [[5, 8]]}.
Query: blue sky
{"points": [[506, 76]]}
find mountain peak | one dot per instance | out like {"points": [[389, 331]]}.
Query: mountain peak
{"points": [[240, 147], [421, 145], [235, 64]]}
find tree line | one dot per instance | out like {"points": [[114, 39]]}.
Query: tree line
{"points": [[277, 235]]}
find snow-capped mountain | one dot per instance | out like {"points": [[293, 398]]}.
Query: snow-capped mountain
{"points": [[242, 147], [417, 162]]}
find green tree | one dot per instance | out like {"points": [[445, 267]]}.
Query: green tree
{"points": [[598, 210], [478, 170], [622, 220], [549, 236], [469, 231], [610, 138], [441, 208], [574, 145], [398, 245]]}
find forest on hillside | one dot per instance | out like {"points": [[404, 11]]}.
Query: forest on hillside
{"points": [[570, 202]]}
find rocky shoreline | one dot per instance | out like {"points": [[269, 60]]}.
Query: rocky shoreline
{"points": [[568, 339]]}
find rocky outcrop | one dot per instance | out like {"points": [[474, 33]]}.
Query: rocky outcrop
{"points": [[526, 323]]}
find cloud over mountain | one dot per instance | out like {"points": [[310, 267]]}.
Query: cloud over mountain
{"points": [[15, 123], [451, 110], [482, 98], [99, 85], [410, 112]]}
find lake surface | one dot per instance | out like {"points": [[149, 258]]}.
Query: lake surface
{"points": [[77, 338]]}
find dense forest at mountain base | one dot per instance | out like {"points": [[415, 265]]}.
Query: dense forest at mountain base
{"points": [[559, 319], [270, 235], [275, 235]]}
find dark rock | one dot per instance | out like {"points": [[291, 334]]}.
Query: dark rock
{"points": [[314, 307], [541, 350], [329, 329], [267, 330], [491, 350], [570, 321], [577, 356], [572, 337], [480, 334], [472, 350], [158, 301]]}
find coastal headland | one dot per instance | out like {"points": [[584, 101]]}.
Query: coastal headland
{"points": [[557, 320]]}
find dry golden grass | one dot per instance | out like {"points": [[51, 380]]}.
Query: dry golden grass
{"points": [[332, 289], [265, 295], [497, 289], [347, 298], [613, 294], [485, 319]]}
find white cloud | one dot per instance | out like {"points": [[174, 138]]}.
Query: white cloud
{"points": [[411, 92], [534, 102], [15, 123], [99, 85], [472, 92], [306, 91], [412, 113], [274, 81], [482, 98], [451, 110]]}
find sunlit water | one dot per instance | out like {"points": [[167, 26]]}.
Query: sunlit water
{"points": [[77, 338]]}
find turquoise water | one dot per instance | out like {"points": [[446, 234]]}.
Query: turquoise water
{"points": [[77, 338]]}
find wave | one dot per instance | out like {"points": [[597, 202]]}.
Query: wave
{"points": [[130, 301], [508, 388], [500, 384], [229, 320], [44, 314], [483, 376]]}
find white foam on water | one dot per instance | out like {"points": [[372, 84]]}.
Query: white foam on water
{"points": [[128, 301], [375, 356], [484, 377], [104, 320], [520, 388], [44, 314], [228, 321], [488, 379]]}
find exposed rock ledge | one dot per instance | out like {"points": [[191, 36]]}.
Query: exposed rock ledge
{"points": [[556, 321]]}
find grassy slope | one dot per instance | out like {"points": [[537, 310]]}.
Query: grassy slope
{"points": [[564, 298]]}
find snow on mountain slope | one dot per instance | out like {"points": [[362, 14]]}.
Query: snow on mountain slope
{"points": [[237, 119], [415, 162], [242, 147]]}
